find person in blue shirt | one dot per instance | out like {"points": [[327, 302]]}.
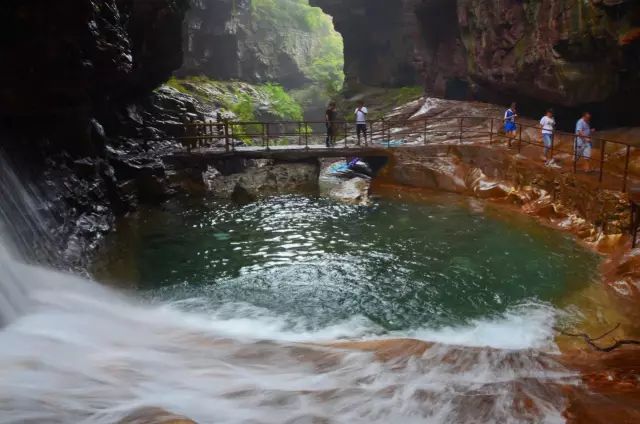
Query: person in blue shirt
{"points": [[510, 123], [583, 144]]}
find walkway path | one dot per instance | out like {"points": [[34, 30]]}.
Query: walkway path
{"points": [[615, 171]]}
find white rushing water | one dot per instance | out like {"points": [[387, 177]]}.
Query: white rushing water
{"points": [[85, 354], [72, 351]]}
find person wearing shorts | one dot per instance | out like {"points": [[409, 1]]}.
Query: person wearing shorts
{"points": [[361, 121], [548, 124], [583, 143], [510, 123]]}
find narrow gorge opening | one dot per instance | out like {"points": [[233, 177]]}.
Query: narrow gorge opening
{"points": [[262, 59], [232, 267]]}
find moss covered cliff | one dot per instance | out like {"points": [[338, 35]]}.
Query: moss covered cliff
{"points": [[240, 101], [280, 41]]}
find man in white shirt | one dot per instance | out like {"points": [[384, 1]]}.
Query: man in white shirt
{"points": [[583, 143], [548, 124], [361, 121]]}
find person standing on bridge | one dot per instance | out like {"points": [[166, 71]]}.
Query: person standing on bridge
{"points": [[583, 144], [219, 121], [330, 117], [510, 127], [361, 121], [548, 125]]}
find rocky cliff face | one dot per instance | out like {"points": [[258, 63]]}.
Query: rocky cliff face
{"points": [[568, 53], [380, 40], [230, 39], [77, 117], [565, 52], [68, 61]]}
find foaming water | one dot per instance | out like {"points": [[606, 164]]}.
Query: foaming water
{"points": [[87, 355], [73, 351], [315, 263], [524, 326]]}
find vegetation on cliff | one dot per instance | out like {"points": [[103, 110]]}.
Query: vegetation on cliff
{"points": [[241, 100], [323, 63]]}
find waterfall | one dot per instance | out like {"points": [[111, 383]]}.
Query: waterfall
{"points": [[73, 351], [13, 297], [23, 233]]}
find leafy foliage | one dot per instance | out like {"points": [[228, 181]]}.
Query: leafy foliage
{"points": [[325, 67], [241, 101], [283, 105]]}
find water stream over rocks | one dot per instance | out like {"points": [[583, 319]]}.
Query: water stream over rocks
{"points": [[297, 309]]}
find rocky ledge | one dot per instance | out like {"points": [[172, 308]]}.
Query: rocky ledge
{"points": [[77, 117], [261, 178]]}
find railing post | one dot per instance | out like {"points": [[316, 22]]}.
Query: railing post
{"points": [[575, 154], [626, 168], [266, 126], [299, 133], [461, 124], [346, 130], [635, 222], [519, 138], [306, 135], [603, 148], [491, 133], [226, 136], [233, 132]]}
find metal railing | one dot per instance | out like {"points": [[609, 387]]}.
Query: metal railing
{"points": [[613, 157]]}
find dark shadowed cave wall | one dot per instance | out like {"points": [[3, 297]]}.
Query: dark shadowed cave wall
{"points": [[68, 62], [77, 108]]}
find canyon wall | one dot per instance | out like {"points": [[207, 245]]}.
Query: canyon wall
{"points": [[79, 118], [68, 62], [254, 41], [379, 40], [567, 53]]}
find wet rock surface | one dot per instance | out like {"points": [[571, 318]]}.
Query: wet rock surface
{"points": [[490, 172], [154, 416], [262, 179], [570, 54], [94, 52], [354, 191], [78, 118]]}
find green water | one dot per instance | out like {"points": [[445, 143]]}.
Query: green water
{"points": [[401, 265]]}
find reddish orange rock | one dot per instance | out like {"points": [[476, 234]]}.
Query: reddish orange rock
{"points": [[153, 415]]}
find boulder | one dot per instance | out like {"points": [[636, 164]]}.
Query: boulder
{"points": [[353, 191], [258, 181], [484, 187]]}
